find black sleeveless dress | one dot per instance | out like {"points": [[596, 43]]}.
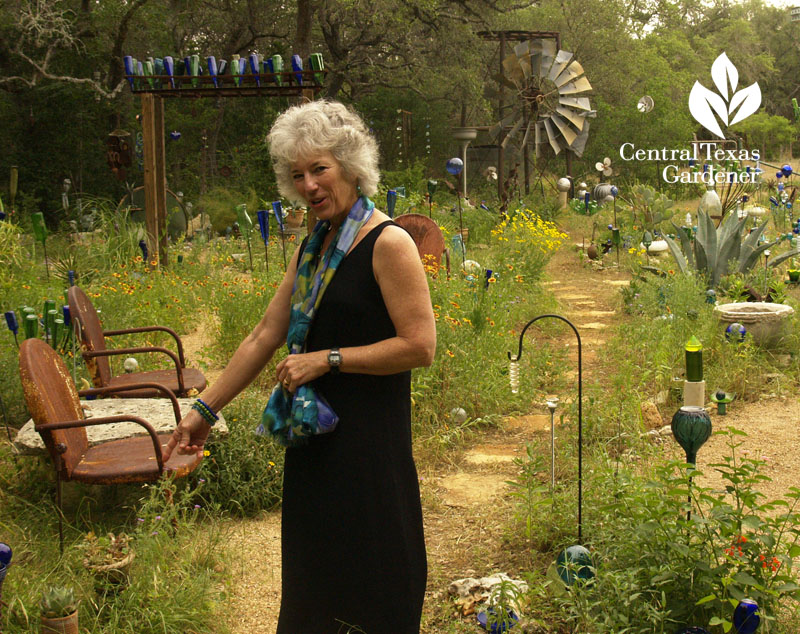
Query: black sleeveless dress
{"points": [[353, 549]]}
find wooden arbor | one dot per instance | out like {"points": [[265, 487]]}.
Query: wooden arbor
{"points": [[153, 89]]}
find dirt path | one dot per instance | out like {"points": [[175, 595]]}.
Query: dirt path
{"points": [[467, 504]]}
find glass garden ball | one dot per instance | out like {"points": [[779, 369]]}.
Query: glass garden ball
{"points": [[574, 562], [745, 617], [5, 554], [563, 184], [614, 191], [778, 174], [787, 170], [735, 332], [454, 166]]}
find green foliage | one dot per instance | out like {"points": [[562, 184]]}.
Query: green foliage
{"points": [[219, 204], [714, 249], [243, 472], [769, 133], [651, 207], [687, 571]]}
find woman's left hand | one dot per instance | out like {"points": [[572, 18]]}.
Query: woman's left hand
{"points": [[298, 369]]}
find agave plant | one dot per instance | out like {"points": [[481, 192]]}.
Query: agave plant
{"points": [[717, 250], [58, 602]]}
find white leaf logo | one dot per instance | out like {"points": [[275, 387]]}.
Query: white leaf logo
{"points": [[704, 104]]}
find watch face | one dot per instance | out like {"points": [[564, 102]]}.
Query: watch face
{"points": [[334, 358]]}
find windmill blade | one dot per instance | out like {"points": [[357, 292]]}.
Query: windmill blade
{"points": [[575, 118], [559, 64], [525, 65], [568, 74], [537, 138], [579, 85], [512, 70], [522, 49], [551, 135], [549, 50], [580, 142], [581, 103], [505, 122], [527, 133], [505, 81], [563, 127], [513, 131]]}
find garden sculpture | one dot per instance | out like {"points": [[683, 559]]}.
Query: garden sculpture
{"points": [[548, 82]]}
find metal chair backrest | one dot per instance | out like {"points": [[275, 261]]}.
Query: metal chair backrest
{"points": [[52, 398], [426, 235], [91, 331]]}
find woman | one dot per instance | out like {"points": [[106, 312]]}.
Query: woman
{"points": [[352, 543]]}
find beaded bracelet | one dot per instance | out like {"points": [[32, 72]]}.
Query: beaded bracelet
{"points": [[205, 411]]}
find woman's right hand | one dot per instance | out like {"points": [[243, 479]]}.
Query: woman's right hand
{"points": [[189, 436]]}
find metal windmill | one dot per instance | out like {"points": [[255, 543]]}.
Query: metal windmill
{"points": [[548, 84]]}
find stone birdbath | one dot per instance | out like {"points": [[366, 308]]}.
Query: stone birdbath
{"points": [[765, 321]]}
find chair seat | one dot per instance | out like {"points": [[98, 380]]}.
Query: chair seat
{"points": [[129, 460], [192, 379]]}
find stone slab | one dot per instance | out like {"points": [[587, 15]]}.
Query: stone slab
{"points": [[156, 411]]}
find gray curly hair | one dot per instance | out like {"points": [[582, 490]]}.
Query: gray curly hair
{"points": [[323, 126]]}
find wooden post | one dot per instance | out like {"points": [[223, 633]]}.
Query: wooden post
{"points": [[155, 178]]}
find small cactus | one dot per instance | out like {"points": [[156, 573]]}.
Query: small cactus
{"points": [[58, 602]]}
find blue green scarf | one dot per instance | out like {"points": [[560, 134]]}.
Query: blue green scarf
{"points": [[292, 418]]}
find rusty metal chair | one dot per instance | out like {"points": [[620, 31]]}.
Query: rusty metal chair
{"points": [[428, 238], [54, 404], [95, 353]]}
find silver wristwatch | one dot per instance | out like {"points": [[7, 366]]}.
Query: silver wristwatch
{"points": [[334, 360]]}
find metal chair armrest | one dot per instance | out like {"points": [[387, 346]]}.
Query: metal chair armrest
{"points": [[128, 331], [89, 354], [102, 391], [105, 420]]}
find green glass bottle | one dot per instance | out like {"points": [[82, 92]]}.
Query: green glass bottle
{"points": [[694, 360]]}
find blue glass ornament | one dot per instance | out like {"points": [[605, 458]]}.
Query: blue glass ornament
{"points": [[745, 617], [745, 198], [211, 63], [71, 277], [391, 201], [781, 187], [573, 563], [253, 59], [143, 247], [496, 628], [786, 170], [788, 205], [277, 210], [735, 332], [297, 67], [67, 315], [488, 276], [711, 296], [5, 554], [263, 224], [773, 200], [127, 62], [11, 321], [484, 207], [455, 166], [175, 135], [610, 227], [778, 175], [614, 191]]}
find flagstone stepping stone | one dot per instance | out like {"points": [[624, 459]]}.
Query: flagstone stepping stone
{"points": [[470, 489], [617, 282], [575, 296], [493, 454], [595, 325]]}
